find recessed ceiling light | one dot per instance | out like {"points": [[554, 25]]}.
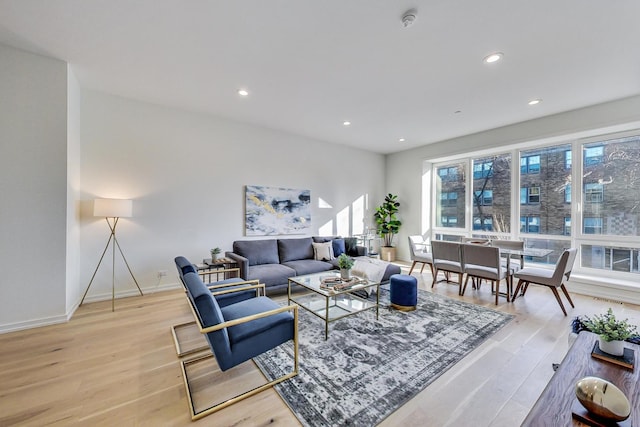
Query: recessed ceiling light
{"points": [[401, 140], [457, 112], [346, 123], [494, 57], [243, 92], [535, 101]]}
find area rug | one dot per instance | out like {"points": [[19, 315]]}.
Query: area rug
{"points": [[368, 368]]}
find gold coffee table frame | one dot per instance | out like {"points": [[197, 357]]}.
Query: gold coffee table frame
{"points": [[331, 305]]}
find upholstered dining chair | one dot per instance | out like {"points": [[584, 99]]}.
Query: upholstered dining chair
{"points": [[517, 245], [237, 333], [553, 279], [483, 262], [448, 257], [419, 254]]}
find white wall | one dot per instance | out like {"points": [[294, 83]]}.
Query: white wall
{"points": [[186, 173], [73, 286], [33, 188]]}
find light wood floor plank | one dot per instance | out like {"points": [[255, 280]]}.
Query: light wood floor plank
{"points": [[105, 369]]}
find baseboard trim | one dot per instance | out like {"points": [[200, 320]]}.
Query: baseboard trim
{"points": [[606, 289], [63, 318]]}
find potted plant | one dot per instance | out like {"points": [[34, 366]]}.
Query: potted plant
{"points": [[388, 225], [611, 331], [214, 254], [345, 263]]}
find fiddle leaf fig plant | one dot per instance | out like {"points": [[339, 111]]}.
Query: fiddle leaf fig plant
{"points": [[609, 328], [387, 221]]}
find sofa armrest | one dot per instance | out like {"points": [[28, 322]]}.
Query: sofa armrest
{"points": [[243, 263]]}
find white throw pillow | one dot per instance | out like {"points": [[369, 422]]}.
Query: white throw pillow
{"points": [[323, 251]]}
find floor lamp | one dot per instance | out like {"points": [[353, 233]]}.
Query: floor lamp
{"points": [[113, 209]]}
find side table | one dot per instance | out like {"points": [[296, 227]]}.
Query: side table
{"points": [[222, 268]]}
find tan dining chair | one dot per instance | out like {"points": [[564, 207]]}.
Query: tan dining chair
{"points": [[483, 262], [517, 245], [553, 279], [419, 254], [448, 258]]}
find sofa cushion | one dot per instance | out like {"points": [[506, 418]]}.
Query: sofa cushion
{"points": [[338, 247], [308, 266], [322, 239], [271, 274], [294, 249], [323, 251], [258, 251]]}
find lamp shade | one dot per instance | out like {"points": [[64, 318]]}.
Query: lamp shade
{"points": [[113, 208]]}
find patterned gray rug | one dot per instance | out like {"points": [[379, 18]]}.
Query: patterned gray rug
{"points": [[368, 368]]}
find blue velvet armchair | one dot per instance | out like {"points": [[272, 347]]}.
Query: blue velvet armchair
{"points": [[237, 333]]}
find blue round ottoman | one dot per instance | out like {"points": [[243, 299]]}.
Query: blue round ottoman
{"points": [[404, 292]]}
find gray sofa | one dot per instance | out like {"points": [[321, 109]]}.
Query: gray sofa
{"points": [[273, 261]]}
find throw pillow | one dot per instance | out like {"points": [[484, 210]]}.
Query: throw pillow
{"points": [[351, 246], [323, 251], [338, 247]]}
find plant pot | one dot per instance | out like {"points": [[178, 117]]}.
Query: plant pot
{"points": [[388, 253], [345, 273], [615, 348]]}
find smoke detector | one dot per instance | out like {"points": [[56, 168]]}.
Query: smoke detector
{"points": [[409, 17]]}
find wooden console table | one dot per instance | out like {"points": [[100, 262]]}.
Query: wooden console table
{"points": [[553, 408]]}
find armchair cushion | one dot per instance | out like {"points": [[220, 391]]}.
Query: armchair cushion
{"points": [[250, 307]]}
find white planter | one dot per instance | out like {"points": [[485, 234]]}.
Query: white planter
{"points": [[615, 348], [345, 273]]}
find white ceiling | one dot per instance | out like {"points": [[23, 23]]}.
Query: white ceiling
{"points": [[310, 65]]}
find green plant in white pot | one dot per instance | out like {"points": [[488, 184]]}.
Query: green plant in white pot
{"points": [[611, 331], [214, 253], [345, 263]]}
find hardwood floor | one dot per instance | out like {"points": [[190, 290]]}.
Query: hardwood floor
{"points": [[120, 368]]}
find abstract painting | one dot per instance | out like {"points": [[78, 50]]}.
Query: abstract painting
{"points": [[273, 211]]}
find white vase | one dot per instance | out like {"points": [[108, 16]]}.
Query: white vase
{"points": [[615, 348], [345, 273]]}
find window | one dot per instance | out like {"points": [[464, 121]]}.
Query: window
{"points": [[483, 198], [594, 193], [593, 226], [448, 173], [530, 195], [567, 226], [483, 223], [567, 193], [449, 199], [611, 258], [593, 155], [482, 170], [449, 221], [567, 159], [530, 224], [530, 164]]}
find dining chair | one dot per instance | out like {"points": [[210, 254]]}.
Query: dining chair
{"points": [[448, 257], [419, 254], [516, 245], [483, 262], [553, 279]]}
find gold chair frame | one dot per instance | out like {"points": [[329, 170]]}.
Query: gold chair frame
{"points": [[184, 363], [251, 284]]}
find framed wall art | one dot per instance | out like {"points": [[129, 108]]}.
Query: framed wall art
{"points": [[275, 211]]}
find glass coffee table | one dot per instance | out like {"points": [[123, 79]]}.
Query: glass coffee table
{"points": [[333, 302]]}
